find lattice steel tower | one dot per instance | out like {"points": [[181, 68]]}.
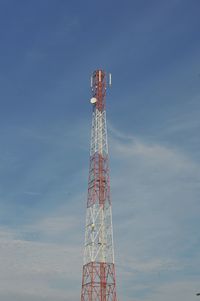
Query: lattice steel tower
{"points": [[98, 280]]}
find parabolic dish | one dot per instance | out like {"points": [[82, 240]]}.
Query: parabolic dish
{"points": [[93, 100]]}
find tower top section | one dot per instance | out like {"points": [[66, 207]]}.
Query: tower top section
{"points": [[98, 86]]}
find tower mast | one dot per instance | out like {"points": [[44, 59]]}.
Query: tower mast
{"points": [[98, 279]]}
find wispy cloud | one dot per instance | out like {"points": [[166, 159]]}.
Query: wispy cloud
{"points": [[36, 269], [155, 199]]}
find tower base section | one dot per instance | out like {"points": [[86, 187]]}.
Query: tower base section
{"points": [[98, 283]]}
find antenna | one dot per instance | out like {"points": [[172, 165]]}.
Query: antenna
{"points": [[110, 79]]}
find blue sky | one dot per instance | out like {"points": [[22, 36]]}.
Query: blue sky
{"points": [[48, 50]]}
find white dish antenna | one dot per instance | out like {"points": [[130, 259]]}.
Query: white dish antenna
{"points": [[93, 100]]}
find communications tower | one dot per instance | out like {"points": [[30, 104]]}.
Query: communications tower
{"points": [[98, 279]]}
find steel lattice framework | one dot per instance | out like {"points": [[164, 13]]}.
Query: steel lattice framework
{"points": [[98, 280]]}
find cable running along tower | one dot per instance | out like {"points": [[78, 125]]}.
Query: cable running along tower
{"points": [[98, 279]]}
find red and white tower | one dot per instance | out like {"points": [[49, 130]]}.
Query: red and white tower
{"points": [[98, 280]]}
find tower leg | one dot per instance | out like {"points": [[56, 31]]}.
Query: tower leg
{"points": [[98, 283]]}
